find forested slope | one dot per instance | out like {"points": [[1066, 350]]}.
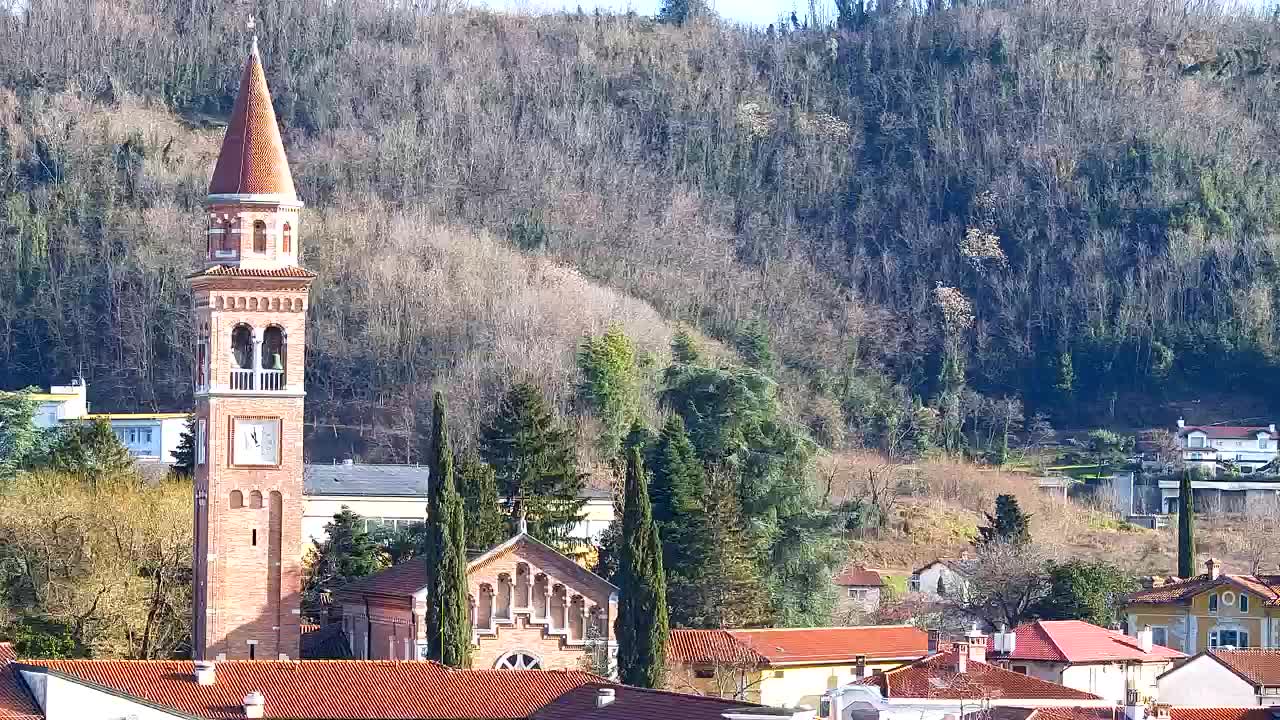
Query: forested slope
{"points": [[1096, 179]]}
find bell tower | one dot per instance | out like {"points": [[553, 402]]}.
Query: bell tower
{"points": [[250, 301]]}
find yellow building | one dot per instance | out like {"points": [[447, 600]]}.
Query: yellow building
{"points": [[1210, 610], [786, 667]]}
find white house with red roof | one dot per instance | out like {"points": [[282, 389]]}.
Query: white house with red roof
{"points": [[1083, 656], [949, 683], [1239, 677], [1219, 448]]}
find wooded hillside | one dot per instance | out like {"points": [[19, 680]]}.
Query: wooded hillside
{"points": [[1097, 179]]}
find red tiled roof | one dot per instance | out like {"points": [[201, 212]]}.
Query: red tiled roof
{"points": [[1220, 713], [1052, 712], [859, 576], [1264, 587], [1222, 432], [1076, 641], [289, 271], [331, 689], [252, 160], [935, 677], [786, 646], [638, 704], [709, 646], [15, 702], [1260, 666]]}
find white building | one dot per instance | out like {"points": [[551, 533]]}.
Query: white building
{"points": [[1238, 678], [150, 437], [938, 580], [386, 496], [1218, 449], [1085, 657]]}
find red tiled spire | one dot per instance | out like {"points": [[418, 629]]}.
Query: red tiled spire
{"points": [[252, 161]]}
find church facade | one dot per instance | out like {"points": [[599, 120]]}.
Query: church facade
{"points": [[250, 301], [531, 608]]}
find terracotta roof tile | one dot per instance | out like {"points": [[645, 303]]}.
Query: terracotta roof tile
{"points": [[859, 576], [15, 702], [709, 646], [935, 677], [1261, 666], [252, 160], [288, 271], [1263, 586], [1221, 713], [1052, 712], [1076, 641], [639, 704], [332, 689], [798, 645]]}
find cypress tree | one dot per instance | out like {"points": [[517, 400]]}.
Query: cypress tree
{"points": [[448, 625], [536, 464], [1186, 529], [642, 625], [1009, 524]]}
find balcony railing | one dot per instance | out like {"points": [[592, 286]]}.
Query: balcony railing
{"points": [[272, 379], [241, 379]]}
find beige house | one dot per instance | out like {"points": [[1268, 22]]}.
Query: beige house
{"points": [[859, 592], [531, 608], [1211, 610]]}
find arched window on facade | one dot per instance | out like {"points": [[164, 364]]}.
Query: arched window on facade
{"points": [[273, 358], [237, 499], [202, 358], [242, 358], [255, 500], [518, 661], [259, 236], [286, 238]]}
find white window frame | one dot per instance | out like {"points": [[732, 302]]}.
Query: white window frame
{"points": [[1213, 604], [1164, 635], [1195, 441], [1241, 637], [200, 439], [1243, 602]]}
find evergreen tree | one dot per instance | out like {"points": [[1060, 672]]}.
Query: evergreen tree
{"points": [[19, 436], [611, 384], [731, 591], [1008, 525], [448, 626], [184, 457], [348, 552], [535, 464], [486, 522], [642, 626], [89, 450], [679, 488], [1186, 528], [753, 344], [684, 348], [678, 12]]}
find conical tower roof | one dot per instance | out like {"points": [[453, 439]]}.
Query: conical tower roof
{"points": [[252, 161]]}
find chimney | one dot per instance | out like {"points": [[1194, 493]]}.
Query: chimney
{"points": [[1271, 428], [605, 696], [859, 666], [1145, 640], [205, 674], [977, 642], [1162, 711], [932, 647], [1181, 423], [962, 657], [1133, 709], [1005, 641], [254, 704], [1212, 568]]}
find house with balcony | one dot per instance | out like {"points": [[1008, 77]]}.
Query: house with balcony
{"points": [[1209, 611], [151, 438], [1232, 466]]}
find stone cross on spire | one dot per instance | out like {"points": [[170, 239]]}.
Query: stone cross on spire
{"points": [[252, 27]]}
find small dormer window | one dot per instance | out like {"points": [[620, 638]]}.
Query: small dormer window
{"points": [[259, 237], [1195, 441]]}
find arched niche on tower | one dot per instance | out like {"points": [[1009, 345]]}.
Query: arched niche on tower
{"points": [[255, 500], [259, 237], [286, 238], [237, 500]]}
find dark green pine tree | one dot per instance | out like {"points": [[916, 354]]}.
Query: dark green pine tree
{"points": [[642, 625], [347, 553], [536, 465], [678, 489], [448, 626], [486, 522], [184, 456], [1009, 524], [684, 348], [1186, 528], [753, 344], [730, 591]]}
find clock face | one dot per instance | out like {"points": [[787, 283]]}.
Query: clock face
{"points": [[256, 441]]}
